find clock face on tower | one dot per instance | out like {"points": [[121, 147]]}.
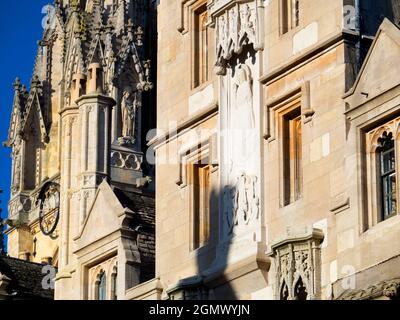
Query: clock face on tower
{"points": [[49, 208]]}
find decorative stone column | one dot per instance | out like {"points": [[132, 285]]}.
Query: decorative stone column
{"points": [[95, 113]]}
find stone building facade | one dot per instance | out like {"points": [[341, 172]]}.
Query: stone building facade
{"points": [[277, 120], [82, 192], [276, 150]]}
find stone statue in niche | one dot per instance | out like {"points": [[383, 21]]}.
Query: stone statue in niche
{"points": [[242, 124], [243, 98], [130, 104], [16, 183], [242, 203]]}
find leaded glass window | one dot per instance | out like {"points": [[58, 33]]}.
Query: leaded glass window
{"points": [[387, 170]]}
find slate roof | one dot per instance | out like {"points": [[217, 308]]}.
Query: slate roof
{"points": [[26, 279], [143, 205]]}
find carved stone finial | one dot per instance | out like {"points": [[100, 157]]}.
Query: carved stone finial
{"points": [[24, 91], [130, 28], [98, 28], [17, 84], [109, 27], [77, 34], [130, 24], [35, 82], [139, 36], [75, 4]]}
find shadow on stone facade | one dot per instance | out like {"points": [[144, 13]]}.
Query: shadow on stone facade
{"points": [[212, 262]]}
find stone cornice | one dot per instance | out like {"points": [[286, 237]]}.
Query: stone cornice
{"points": [[311, 54], [199, 117]]}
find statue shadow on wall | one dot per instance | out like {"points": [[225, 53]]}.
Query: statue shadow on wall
{"points": [[212, 259]]}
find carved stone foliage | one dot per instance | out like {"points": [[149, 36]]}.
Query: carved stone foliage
{"points": [[18, 211], [92, 180], [389, 289], [125, 160], [242, 203], [16, 162], [236, 27], [298, 265]]}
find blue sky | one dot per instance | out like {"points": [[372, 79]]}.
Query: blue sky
{"points": [[20, 29]]}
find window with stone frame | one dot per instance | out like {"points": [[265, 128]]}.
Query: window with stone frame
{"points": [[198, 164], [387, 175], [102, 280], [382, 172], [291, 132], [200, 45], [290, 15], [200, 180]]}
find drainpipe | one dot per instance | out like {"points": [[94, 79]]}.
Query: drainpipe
{"points": [[359, 32]]}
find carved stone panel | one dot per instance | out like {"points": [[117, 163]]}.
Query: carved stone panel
{"points": [[242, 204], [237, 25]]}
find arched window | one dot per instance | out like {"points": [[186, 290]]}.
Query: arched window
{"points": [[387, 175], [102, 286]]}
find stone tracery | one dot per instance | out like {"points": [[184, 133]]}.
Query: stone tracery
{"points": [[298, 265]]}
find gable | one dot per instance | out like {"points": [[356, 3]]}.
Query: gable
{"points": [[103, 216], [379, 72], [129, 63], [96, 54], [34, 117]]}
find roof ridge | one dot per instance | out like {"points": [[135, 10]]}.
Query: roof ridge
{"points": [[23, 261]]}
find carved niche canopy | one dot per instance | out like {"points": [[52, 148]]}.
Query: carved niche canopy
{"points": [[298, 265], [237, 24]]}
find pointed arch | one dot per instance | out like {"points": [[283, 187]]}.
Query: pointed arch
{"points": [[300, 290], [34, 112], [284, 291], [96, 53]]}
